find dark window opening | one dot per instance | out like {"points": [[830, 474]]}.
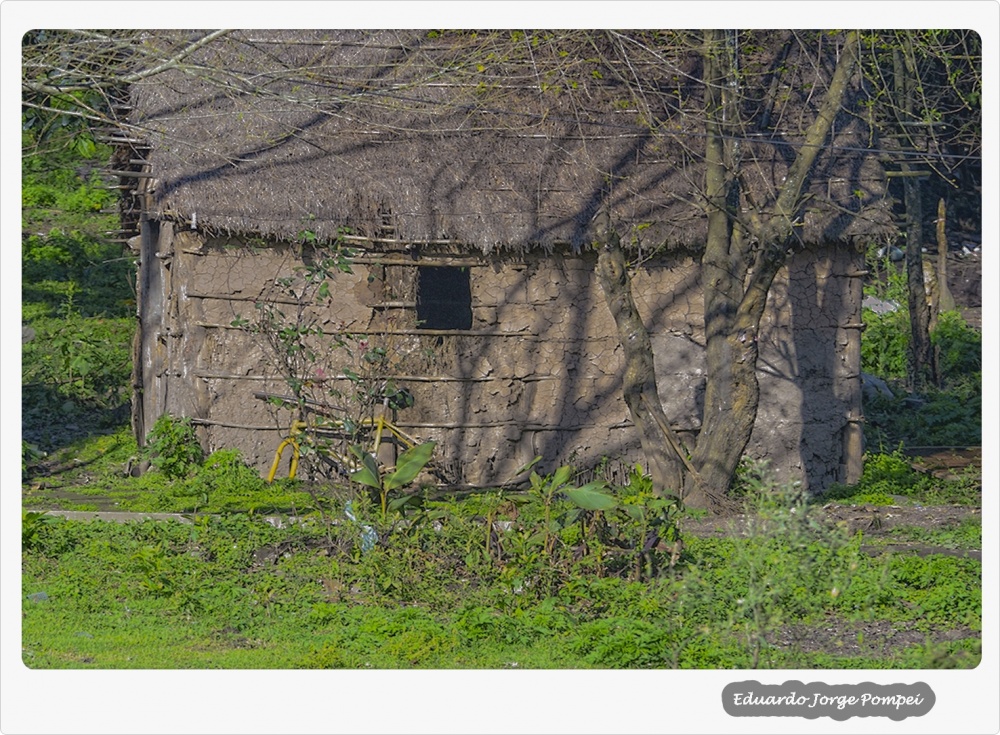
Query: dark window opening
{"points": [[444, 298]]}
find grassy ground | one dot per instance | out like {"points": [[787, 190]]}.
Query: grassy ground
{"points": [[480, 582]]}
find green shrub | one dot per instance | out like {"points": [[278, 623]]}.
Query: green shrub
{"points": [[959, 349], [884, 353], [887, 339], [624, 643], [172, 446], [938, 418], [35, 195], [85, 360], [885, 343], [884, 475], [36, 535], [89, 197], [894, 470]]}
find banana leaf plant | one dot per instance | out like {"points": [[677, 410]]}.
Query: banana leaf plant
{"points": [[408, 466]]}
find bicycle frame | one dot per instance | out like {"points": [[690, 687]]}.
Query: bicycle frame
{"points": [[380, 425], [290, 440]]}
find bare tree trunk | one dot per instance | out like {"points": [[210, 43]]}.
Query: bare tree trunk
{"points": [[945, 301], [919, 357], [664, 464], [941, 300], [736, 280], [731, 392], [920, 342], [732, 395]]}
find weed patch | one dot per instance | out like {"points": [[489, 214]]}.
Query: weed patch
{"points": [[887, 478]]}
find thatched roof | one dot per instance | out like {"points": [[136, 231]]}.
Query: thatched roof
{"points": [[490, 139]]}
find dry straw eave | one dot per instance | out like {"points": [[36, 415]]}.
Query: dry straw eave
{"points": [[493, 141]]}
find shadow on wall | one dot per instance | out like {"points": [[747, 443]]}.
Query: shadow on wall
{"points": [[826, 360]]}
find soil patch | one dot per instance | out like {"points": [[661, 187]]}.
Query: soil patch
{"points": [[872, 520], [877, 638]]}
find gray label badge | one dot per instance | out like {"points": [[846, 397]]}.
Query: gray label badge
{"points": [[816, 699]]}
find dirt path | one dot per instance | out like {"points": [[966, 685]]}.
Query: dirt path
{"points": [[872, 520], [877, 523]]}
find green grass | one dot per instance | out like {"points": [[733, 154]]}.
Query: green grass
{"points": [[967, 534], [889, 479], [437, 590], [234, 591]]}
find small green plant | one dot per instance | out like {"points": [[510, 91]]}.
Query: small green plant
{"points": [[564, 529], [155, 573], [959, 349], [33, 525], [408, 465], [885, 343], [937, 418], [652, 522], [548, 490], [29, 455], [172, 446], [789, 565]]}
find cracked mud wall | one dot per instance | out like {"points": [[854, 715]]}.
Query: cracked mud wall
{"points": [[538, 372]]}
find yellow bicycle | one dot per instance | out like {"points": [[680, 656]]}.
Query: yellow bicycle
{"points": [[379, 427], [289, 441]]}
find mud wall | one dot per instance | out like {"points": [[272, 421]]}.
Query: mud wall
{"points": [[537, 372]]}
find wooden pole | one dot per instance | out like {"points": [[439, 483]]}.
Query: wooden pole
{"points": [[946, 302]]}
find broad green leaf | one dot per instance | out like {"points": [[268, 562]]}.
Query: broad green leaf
{"points": [[409, 464], [562, 475], [85, 146], [403, 503], [528, 466], [591, 497], [80, 365], [368, 473], [572, 516], [538, 538], [635, 512], [364, 476]]}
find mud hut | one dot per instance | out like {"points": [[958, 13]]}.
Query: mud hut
{"points": [[463, 172]]}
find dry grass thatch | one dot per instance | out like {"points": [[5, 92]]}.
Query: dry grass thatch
{"points": [[491, 139]]}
